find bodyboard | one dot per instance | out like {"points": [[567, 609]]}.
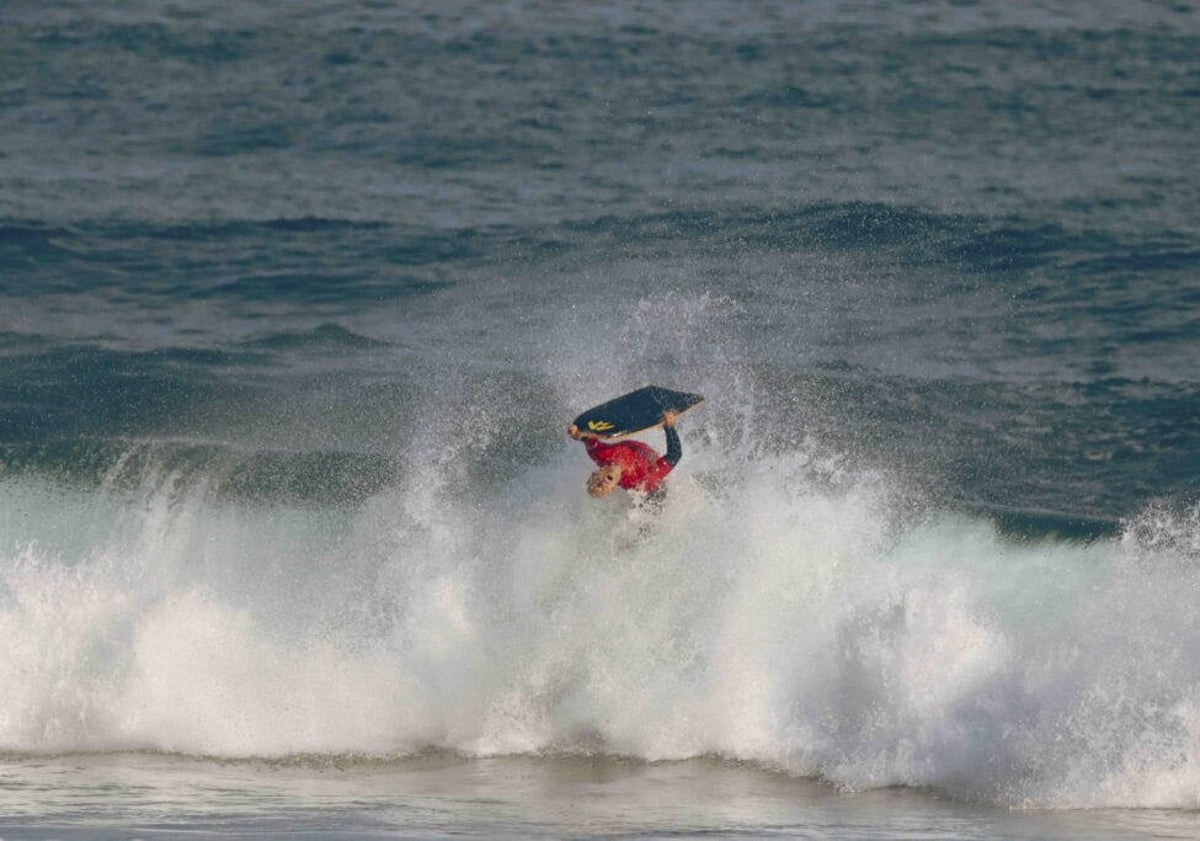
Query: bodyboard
{"points": [[634, 412]]}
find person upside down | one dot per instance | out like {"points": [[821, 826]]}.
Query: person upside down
{"points": [[630, 464]]}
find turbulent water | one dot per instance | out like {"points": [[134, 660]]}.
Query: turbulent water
{"points": [[296, 301]]}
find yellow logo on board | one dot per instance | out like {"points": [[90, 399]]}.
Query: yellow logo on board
{"points": [[599, 426]]}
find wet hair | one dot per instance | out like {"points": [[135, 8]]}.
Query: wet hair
{"points": [[603, 480]]}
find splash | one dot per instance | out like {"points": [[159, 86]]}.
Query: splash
{"points": [[791, 606], [797, 617]]}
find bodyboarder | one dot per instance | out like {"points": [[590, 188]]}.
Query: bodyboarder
{"points": [[632, 465]]}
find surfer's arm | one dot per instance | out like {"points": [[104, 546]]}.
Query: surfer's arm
{"points": [[664, 465], [579, 435], [597, 450], [674, 447]]}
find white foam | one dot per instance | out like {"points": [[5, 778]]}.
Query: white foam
{"points": [[790, 617]]}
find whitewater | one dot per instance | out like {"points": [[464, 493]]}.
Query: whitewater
{"points": [[789, 609]]}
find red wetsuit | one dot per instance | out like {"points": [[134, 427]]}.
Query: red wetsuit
{"points": [[641, 467]]}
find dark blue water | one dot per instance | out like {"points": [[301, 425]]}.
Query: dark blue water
{"points": [[296, 300]]}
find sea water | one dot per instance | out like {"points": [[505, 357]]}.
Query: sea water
{"points": [[296, 301]]}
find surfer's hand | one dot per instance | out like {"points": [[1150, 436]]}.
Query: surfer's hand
{"points": [[574, 432], [668, 419]]}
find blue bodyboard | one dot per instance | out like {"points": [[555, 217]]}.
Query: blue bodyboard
{"points": [[634, 412]]}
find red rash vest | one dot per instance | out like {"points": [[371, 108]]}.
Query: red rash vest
{"points": [[641, 467]]}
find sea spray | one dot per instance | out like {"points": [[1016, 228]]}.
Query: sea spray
{"points": [[800, 615]]}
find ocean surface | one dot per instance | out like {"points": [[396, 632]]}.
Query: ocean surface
{"points": [[297, 299]]}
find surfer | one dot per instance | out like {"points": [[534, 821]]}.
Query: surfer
{"points": [[631, 464]]}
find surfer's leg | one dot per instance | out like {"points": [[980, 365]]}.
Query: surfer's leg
{"points": [[653, 501]]}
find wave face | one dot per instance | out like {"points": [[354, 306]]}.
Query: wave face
{"points": [[793, 605], [806, 622]]}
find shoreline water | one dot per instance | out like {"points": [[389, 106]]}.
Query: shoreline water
{"points": [[122, 795]]}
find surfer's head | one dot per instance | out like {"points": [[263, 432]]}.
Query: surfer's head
{"points": [[603, 480]]}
